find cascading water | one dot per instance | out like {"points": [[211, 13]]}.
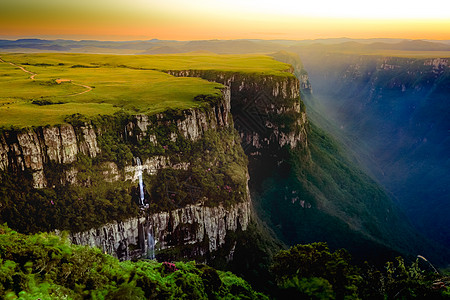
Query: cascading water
{"points": [[151, 246], [150, 238], [141, 185]]}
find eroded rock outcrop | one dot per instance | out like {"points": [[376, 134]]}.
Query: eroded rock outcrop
{"points": [[191, 225]]}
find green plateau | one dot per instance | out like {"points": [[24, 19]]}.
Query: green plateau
{"points": [[52, 86]]}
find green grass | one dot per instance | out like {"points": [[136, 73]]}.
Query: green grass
{"points": [[136, 84], [24, 114], [247, 63]]}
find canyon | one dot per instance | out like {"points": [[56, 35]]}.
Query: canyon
{"points": [[392, 115], [190, 183]]}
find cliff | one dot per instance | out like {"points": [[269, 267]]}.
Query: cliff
{"points": [[30, 149], [84, 174], [266, 109], [297, 68], [85, 155]]}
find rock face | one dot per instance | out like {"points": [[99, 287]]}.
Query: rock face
{"points": [[199, 227], [31, 149], [266, 109], [193, 225]]}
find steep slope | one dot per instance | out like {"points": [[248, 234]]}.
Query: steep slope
{"points": [[394, 113], [326, 183]]}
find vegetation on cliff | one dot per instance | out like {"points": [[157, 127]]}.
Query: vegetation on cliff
{"points": [[215, 174], [318, 194], [64, 207]]}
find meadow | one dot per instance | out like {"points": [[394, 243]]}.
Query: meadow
{"points": [[90, 84]]}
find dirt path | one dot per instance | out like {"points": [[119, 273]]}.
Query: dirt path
{"points": [[88, 89], [20, 67], [33, 75]]}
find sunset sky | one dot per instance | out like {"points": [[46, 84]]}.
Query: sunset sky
{"points": [[231, 19]]}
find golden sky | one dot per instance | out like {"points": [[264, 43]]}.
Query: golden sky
{"points": [[227, 19]]}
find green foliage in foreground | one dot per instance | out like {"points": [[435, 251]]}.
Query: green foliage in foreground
{"points": [[313, 272], [46, 266]]}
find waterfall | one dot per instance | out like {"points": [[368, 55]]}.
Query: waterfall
{"points": [[141, 185], [151, 246]]}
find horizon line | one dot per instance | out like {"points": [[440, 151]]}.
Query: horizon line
{"points": [[56, 38]]}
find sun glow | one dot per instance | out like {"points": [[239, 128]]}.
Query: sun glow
{"points": [[381, 9], [209, 19]]}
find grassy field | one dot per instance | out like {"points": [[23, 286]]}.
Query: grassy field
{"points": [[91, 84]]}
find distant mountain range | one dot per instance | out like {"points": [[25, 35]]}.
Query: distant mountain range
{"points": [[156, 46]]}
